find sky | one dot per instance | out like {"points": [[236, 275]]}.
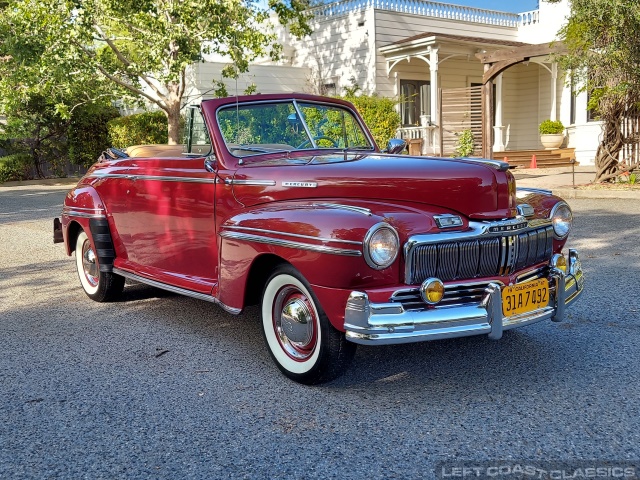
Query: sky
{"points": [[515, 6]]}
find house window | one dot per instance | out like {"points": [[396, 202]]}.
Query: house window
{"points": [[593, 115], [415, 101]]}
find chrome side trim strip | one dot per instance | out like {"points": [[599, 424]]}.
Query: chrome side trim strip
{"points": [[108, 175], [290, 244], [96, 210], [159, 178], [84, 215], [255, 183], [174, 179], [364, 211], [80, 214], [174, 289], [262, 230]]}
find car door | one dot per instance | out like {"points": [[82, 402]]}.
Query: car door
{"points": [[170, 227]]}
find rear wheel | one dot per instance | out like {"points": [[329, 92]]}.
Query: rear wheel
{"points": [[300, 338], [99, 286]]}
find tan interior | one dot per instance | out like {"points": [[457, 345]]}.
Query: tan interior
{"points": [[148, 151]]}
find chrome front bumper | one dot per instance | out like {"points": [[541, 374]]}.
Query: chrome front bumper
{"points": [[389, 323]]}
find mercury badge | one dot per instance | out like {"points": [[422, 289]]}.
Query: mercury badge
{"points": [[300, 184]]}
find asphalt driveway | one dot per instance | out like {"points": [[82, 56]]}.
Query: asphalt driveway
{"points": [[162, 386]]}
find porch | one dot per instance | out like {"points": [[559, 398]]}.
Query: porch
{"points": [[438, 79], [561, 157]]}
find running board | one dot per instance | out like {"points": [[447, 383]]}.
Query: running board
{"points": [[174, 289]]}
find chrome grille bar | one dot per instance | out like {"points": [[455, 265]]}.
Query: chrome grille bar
{"points": [[486, 256]]}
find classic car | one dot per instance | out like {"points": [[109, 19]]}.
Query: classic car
{"points": [[286, 202]]}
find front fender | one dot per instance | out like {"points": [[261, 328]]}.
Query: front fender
{"points": [[322, 240], [542, 202]]}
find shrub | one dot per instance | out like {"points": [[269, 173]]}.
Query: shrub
{"points": [[88, 133], [379, 114], [551, 127], [465, 144], [14, 167], [139, 129]]}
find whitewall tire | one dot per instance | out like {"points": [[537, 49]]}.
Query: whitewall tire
{"points": [[99, 286], [301, 340]]}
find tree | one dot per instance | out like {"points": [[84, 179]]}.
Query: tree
{"points": [[137, 49], [605, 59]]}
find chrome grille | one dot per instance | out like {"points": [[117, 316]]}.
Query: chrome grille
{"points": [[453, 295], [477, 258]]}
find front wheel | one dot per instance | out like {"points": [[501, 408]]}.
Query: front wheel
{"points": [[99, 286], [300, 339]]}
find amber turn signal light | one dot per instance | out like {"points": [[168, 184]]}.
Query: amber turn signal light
{"points": [[432, 290]]}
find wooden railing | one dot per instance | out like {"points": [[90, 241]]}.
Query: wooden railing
{"points": [[430, 9]]}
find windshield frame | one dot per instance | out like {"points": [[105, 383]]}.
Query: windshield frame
{"points": [[295, 102]]}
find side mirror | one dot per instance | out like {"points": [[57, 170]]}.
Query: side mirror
{"points": [[293, 119], [395, 145]]}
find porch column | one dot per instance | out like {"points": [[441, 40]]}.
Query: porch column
{"points": [[487, 113], [498, 128], [554, 91], [435, 120]]}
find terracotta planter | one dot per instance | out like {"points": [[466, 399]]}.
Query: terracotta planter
{"points": [[552, 141]]}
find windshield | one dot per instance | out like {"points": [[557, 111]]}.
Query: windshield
{"points": [[285, 126]]}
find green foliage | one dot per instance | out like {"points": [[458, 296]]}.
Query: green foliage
{"points": [[629, 179], [379, 114], [72, 52], [604, 60], [465, 144], [88, 132], [37, 129], [14, 167], [551, 127], [139, 129]]}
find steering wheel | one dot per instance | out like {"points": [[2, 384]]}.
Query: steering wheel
{"points": [[315, 139]]}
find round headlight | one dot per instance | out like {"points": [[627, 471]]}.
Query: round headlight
{"points": [[381, 245], [561, 217]]}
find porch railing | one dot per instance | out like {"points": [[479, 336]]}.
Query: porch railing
{"points": [[426, 134], [430, 9]]}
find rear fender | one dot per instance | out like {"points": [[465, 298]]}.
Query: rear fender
{"points": [[84, 210]]}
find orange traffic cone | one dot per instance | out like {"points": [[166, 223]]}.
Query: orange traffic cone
{"points": [[534, 163], [506, 159]]}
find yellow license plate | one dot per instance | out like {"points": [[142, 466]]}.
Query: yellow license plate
{"points": [[525, 297]]}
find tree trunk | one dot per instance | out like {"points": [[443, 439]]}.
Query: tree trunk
{"points": [[173, 121], [608, 151]]}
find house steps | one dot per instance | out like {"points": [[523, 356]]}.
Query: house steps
{"points": [[561, 157]]}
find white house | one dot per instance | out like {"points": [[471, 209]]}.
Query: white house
{"points": [[413, 49]]}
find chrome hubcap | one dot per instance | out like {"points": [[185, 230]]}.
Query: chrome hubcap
{"points": [[295, 323], [89, 264]]}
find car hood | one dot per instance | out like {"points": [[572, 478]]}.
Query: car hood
{"points": [[472, 188]]}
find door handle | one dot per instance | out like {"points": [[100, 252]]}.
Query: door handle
{"points": [[210, 165]]}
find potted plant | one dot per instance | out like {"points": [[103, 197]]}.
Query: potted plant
{"points": [[551, 134]]}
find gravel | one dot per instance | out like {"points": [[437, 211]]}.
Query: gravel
{"points": [[163, 386]]}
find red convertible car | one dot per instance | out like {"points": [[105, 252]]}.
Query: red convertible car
{"points": [[287, 202]]}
